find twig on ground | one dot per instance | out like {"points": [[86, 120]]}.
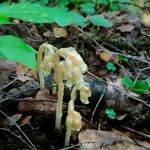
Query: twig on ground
{"points": [[101, 97], [130, 45], [141, 70], [19, 129], [19, 137], [140, 133], [9, 84], [101, 48], [126, 71], [135, 98]]}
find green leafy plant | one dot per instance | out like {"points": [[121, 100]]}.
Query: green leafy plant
{"points": [[14, 49], [148, 81], [111, 114], [18, 50], [123, 59], [111, 67], [99, 20], [88, 8], [4, 20], [139, 87], [37, 14], [41, 2]]}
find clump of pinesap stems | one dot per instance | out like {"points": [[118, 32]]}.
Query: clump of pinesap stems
{"points": [[67, 72]]}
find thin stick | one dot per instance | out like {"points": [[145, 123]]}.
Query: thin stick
{"points": [[141, 70], [25, 136], [102, 95], [9, 84], [4, 129], [101, 48], [39, 62], [140, 133], [120, 90]]}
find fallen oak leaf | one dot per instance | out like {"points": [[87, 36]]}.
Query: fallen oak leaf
{"points": [[125, 28], [24, 74]]}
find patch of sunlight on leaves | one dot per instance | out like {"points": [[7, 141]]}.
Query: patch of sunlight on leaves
{"points": [[14, 49]]}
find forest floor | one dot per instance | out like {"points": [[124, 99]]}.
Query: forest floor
{"points": [[116, 118]]}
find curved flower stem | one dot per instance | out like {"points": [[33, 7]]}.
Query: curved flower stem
{"points": [[59, 104], [68, 134], [59, 80], [73, 98], [39, 68], [70, 108]]}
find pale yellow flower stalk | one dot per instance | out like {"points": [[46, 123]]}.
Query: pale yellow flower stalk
{"points": [[70, 71]]}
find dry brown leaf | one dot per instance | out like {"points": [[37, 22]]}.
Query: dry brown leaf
{"points": [[16, 21], [6, 69], [145, 19], [121, 117], [47, 33], [24, 74], [36, 107], [106, 57], [43, 94], [59, 32], [126, 28], [25, 120], [106, 140]]}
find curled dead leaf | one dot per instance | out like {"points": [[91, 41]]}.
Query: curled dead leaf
{"points": [[59, 32]]}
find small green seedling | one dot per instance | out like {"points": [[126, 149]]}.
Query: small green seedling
{"points": [[111, 67], [110, 113], [148, 81], [139, 87]]}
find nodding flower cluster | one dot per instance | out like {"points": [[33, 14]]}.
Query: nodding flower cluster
{"points": [[68, 67]]}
